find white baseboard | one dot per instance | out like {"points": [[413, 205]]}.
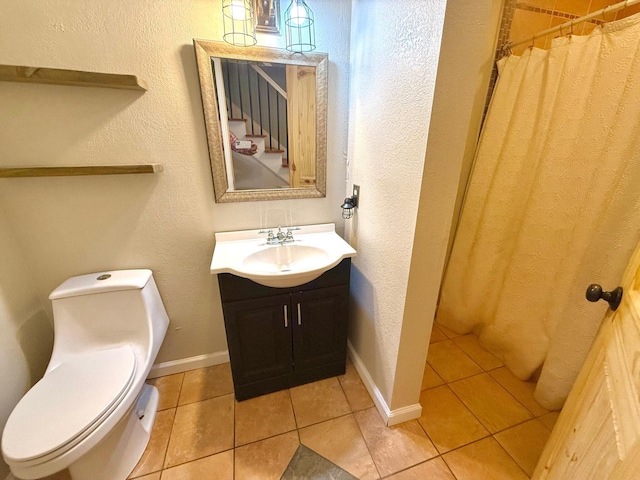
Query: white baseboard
{"points": [[184, 364], [390, 417]]}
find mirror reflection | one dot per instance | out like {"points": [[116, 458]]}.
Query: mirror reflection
{"points": [[265, 113]]}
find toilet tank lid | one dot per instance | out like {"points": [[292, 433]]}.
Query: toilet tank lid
{"points": [[102, 282]]}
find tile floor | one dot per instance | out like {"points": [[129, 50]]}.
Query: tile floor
{"points": [[479, 422]]}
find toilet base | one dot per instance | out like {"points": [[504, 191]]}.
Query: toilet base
{"points": [[115, 457]]}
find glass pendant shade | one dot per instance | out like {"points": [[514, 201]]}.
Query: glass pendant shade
{"points": [[350, 203], [239, 22], [299, 27]]}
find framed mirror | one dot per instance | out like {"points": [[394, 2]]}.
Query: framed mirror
{"points": [[265, 113]]}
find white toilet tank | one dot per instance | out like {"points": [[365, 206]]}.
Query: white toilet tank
{"points": [[108, 309]]}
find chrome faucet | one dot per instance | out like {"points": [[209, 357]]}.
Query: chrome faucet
{"points": [[280, 237]]}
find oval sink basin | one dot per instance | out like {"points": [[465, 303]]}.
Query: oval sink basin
{"points": [[286, 258], [314, 250]]}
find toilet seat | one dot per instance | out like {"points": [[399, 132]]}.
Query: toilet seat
{"points": [[67, 404]]}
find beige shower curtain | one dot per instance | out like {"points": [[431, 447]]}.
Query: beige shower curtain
{"points": [[552, 206]]}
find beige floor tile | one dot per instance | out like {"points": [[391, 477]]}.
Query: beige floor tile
{"points": [[355, 391], [153, 457], [430, 378], [525, 443], [483, 460], [523, 391], [318, 401], [394, 448], [437, 335], [263, 417], [447, 421], [201, 429], [169, 389], [62, 475], [215, 467], [450, 362], [151, 476], [435, 469], [339, 440], [447, 331], [267, 459], [550, 419], [471, 346], [490, 403], [205, 383]]}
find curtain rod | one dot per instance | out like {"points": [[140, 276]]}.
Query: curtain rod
{"points": [[568, 25]]}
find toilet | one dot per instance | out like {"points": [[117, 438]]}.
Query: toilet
{"points": [[92, 412]]}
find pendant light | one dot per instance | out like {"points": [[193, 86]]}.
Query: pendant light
{"points": [[239, 22], [299, 26]]}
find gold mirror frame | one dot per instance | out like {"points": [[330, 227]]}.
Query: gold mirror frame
{"points": [[205, 50]]}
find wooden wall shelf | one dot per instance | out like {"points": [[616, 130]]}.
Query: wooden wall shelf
{"points": [[16, 73], [17, 172]]}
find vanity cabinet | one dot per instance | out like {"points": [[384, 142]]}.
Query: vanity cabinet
{"points": [[283, 337]]}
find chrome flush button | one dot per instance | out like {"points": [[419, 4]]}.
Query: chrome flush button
{"points": [[105, 276]]}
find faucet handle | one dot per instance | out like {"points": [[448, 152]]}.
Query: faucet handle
{"points": [[290, 232], [268, 232]]}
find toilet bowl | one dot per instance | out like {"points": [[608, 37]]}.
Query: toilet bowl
{"points": [[92, 411]]}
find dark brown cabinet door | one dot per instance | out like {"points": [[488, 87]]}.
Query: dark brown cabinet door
{"points": [[259, 338], [282, 337], [319, 329]]}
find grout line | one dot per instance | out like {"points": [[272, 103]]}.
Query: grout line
{"points": [[262, 439], [427, 364], [510, 456], [233, 464], [500, 386], [293, 409], [495, 380], [173, 423], [413, 466], [233, 448], [352, 411], [366, 444], [204, 399], [467, 355], [491, 434]]}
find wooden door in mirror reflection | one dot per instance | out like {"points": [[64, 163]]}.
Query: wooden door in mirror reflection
{"points": [[301, 92]]}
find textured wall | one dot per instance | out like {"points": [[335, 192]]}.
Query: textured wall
{"points": [[464, 71], [394, 58], [26, 339], [73, 225], [408, 196]]}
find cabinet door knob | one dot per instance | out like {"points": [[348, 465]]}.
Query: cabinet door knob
{"points": [[286, 319], [299, 316]]}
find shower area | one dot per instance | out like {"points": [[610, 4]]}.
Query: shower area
{"points": [[551, 206]]}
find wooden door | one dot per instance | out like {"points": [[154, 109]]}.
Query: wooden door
{"points": [[301, 115], [598, 433]]}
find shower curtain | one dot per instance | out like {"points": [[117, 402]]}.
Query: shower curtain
{"points": [[553, 205]]}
